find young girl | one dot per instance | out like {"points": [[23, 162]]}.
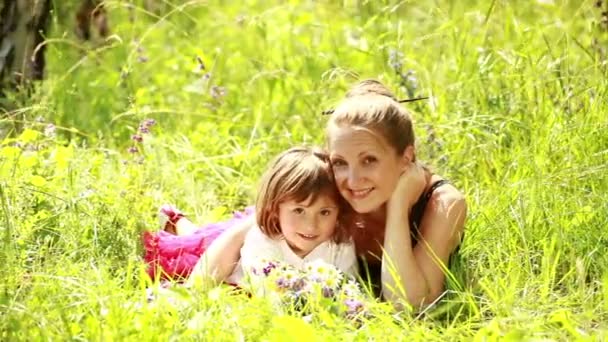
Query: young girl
{"points": [[296, 220]]}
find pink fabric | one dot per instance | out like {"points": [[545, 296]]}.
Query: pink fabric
{"points": [[174, 256]]}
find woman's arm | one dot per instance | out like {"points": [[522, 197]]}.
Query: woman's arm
{"points": [[418, 274], [218, 261]]}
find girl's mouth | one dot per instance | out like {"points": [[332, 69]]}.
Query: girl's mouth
{"points": [[308, 236]]}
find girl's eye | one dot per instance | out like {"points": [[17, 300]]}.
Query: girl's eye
{"points": [[298, 211], [325, 212]]}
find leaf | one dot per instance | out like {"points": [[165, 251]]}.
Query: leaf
{"points": [[289, 328], [37, 181], [10, 152], [62, 156], [29, 135], [29, 161]]}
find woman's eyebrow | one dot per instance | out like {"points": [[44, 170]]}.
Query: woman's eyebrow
{"points": [[368, 153]]}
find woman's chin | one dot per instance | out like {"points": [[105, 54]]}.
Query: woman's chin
{"points": [[367, 208]]}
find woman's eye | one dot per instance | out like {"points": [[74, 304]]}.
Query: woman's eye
{"points": [[369, 160], [338, 163], [298, 211]]}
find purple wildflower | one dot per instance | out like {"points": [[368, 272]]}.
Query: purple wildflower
{"points": [[282, 283], [298, 285], [144, 126], [142, 59], [124, 73], [201, 64], [327, 292], [395, 60], [410, 82], [132, 149], [218, 92], [149, 122], [353, 306], [240, 19], [150, 297], [288, 279], [137, 137], [268, 268], [49, 130]]}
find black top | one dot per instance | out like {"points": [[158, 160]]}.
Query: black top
{"points": [[371, 272]]}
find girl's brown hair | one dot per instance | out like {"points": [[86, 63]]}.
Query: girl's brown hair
{"points": [[371, 105], [298, 174]]}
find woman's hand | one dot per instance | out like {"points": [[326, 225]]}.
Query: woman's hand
{"points": [[410, 186], [418, 273]]}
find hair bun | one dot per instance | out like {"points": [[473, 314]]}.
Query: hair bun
{"points": [[370, 86]]}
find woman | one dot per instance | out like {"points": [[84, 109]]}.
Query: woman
{"points": [[412, 218]]}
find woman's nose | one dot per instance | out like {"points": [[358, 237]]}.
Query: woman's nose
{"points": [[353, 177]]}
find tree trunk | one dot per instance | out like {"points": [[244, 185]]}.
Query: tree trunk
{"points": [[23, 24]]}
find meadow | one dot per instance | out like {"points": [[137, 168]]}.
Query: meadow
{"points": [[516, 119]]}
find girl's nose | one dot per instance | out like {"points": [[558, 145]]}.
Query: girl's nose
{"points": [[311, 224]]}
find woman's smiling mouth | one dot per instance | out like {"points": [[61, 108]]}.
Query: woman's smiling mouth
{"points": [[361, 193]]}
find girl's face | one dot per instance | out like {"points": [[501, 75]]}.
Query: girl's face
{"points": [[305, 225], [366, 167]]}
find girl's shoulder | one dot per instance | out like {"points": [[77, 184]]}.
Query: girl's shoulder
{"points": [[329, 249], [255, 237], [340, 249]]}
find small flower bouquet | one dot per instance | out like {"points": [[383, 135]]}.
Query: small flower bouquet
{"points": [[317, 284]]}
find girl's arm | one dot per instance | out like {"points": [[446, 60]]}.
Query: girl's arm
{"points": [[218, 261], [418, 274], [259, 247]]}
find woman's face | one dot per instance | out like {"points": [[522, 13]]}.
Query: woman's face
{"points": [[365, 166]]}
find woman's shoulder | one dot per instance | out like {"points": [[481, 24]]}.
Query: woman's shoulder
{"points": [[447, 192], [447, 197], [445, 216]]}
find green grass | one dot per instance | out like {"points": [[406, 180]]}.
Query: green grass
{"points": [[517, 120]]}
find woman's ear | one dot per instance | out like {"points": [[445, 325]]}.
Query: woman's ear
{"points": [[408, 156]]}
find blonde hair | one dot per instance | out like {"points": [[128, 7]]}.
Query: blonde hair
{"points": [[371, 105], [297, 174]]}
